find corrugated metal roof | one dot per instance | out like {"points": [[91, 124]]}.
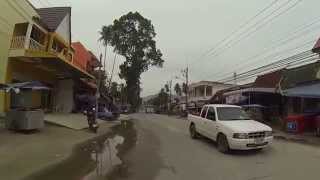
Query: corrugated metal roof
{"points": [[316, 47], [301, 75], [53, 17]]}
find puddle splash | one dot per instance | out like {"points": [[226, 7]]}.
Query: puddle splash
{"points": [[95, 159]]}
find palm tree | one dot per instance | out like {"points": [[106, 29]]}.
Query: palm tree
{"points": [[177, 89]]}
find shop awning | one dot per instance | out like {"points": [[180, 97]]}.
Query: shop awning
{"points": [[306, 91], [263, 90], [66, 69], [60, 68], [31, 85]]}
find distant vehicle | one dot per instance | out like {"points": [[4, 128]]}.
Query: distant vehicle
{"points": [[124, 109], [230, 127], [105, 114]]}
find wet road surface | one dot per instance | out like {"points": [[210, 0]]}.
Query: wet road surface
{"points": [[159, 147]]}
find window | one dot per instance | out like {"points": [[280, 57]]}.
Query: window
{"points": [[209, 91], [231, 113], [211, 115], [204, 112]]}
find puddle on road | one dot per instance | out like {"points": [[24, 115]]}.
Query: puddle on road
{"points": [[106, 159], [96, 159]]}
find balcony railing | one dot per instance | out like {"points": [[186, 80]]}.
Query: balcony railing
{"points": [[35, 45], [18, 42]]}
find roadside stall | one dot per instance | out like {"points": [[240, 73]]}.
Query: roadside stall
{"points": [[24, 116]]}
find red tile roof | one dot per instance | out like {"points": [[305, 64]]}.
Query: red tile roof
{"points": [[82, 56], [270, 80]]}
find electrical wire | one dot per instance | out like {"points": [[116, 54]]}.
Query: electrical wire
{"points": [[270, 66], [286, 60], [242, 26], [248, 34], [238, 29], [301, 58], [244, 65], [288, 66], [298, 33]]}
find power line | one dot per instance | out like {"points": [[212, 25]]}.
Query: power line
{"points": [[239, 28], [289, 65], [242, 26], [281, 43], [288, 60], [296, 35], [248, 34], [301, 58], [232, 43], [265, 58], [282, 52]]}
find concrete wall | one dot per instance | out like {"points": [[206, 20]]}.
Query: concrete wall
{"points": [[12, 12], [197, 93], [63, 98]]}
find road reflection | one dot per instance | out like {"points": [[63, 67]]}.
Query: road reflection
{"points": [[100, 158]]}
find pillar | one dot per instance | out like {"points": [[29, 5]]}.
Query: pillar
{"points": [[28, 36], [205, 91]]}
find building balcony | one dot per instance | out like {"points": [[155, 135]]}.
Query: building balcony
{"points": [[19, 42], [22, 46], [32, 44]]}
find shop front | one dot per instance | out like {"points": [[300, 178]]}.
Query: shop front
{"points": [[60, 77], [300, 87]]}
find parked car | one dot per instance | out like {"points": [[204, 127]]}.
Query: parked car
{"points": [[230, 127]]}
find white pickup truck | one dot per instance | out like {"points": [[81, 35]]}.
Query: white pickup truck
{"points": [[230, 127]]}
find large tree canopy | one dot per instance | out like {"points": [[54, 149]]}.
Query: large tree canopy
{"points": [[132, 36]]}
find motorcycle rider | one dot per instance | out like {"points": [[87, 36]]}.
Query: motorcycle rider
{"points": [[91, 113]]}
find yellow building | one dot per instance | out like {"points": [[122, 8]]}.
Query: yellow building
{"points": [[12, 12], [38, 48]]}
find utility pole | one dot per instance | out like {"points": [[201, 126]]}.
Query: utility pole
{"points": [[235, 78], [187, 83], [98, 88], [170, 94], [185, 74]]}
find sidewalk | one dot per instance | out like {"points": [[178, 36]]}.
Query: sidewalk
{"points": [[23, 154], [306, 138]]}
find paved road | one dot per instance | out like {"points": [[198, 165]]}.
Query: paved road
{"points": [[164, 151]]}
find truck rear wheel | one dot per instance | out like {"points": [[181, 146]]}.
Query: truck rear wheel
{"points": [[193, 131]]}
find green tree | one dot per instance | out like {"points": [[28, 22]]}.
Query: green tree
{"points": [[177, 89], [123, 93], [114, 90], [166, 88], [184, 88], [132, 36]]}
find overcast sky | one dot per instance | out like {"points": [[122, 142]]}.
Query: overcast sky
{"points": [[186, 29]]}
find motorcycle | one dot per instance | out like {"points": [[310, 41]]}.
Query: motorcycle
{"points": [[91, 117]]}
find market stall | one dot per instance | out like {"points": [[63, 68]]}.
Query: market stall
{"points": [[24, 117]]}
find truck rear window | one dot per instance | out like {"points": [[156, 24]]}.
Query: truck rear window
{"points": [[231, 113]]}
